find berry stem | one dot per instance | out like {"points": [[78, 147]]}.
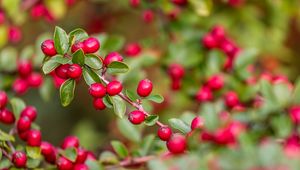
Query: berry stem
{"points": [[5, 154]]}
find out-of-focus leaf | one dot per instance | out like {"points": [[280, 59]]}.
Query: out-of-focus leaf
{"points": [[245, 58], [296, 92], [146, 145], [202, 7], [179, 125], [33, 152], [77, 35], [156, 98], [128, 130], [120, 149], [93, 164], [18, 105], [131, 95], [8, 59], [108, 157], [70, 154], [6, 137], [117, 67], [46, 90]]}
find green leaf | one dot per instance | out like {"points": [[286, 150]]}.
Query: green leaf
{"points": [[282, 94], [67, 92], [266, 90], [131, 95], [77, 35], [4, 163], [120, 149], [93, 164], [93, 61], [70, 154], [117, 67], [47, 89], [33, 163], [146, 145], [179, 125], [245, 58], [128, 130], [17, 105], [108, 157], [6, 137], [78, 57], [108, 101], [90, 76], [113, 43], [53, 62], [33, 152], [282, 126], [119, 106], [296, 92], [61, 40], [156, 98], [8, 59], [151, 120], [202, 7]]}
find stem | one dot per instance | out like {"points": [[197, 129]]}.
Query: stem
{"points": [[5, 154], [132, 103]]}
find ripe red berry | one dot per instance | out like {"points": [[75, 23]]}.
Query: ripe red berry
{"points": [[35, 80], [97, 90], [81, 167], [48, 48], [76, 46], [70, 141], [111, 57], [62, 71], [91, 45], [176, 144], [24, 68], [132, 49], [231, 99], [144, 88], [134, 3], [148, 16], [2, 17], [197, 123], [74, 71], [114, 88], [64, 164], [136, 117], [209, 41], [7, 117], [229, 48], [14, 34], [81, 156], [164, 133], [176, 71], [34, 138], [204, 94], [176, 84], [20, 86], [179, 2], [48, 151], [218, 33], [99, 104], [3, 100], [236, 3], [23, 124], [294, 113], [30, 112], [19, 159], [23, 135], [38, 11], [215, 82]]}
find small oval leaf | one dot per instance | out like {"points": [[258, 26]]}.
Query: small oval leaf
{"points": [[67, 92]]}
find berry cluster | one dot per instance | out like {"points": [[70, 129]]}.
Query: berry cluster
{"points": [[26, 78]]}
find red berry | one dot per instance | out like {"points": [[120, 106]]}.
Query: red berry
{"points": [[144, 88], [24, 68], [136, 117], [176, 71], [218, 33], [3, 100], [111, 57], [38, 11], [48, 151], [35, 80], [23, 135], [48, 48], [70, 141], [23, 124], [236, 3], [132, 49], [229, 48], [20, 86], [2, 17], [114, 88], [197, 123], [34, 138], [209, 41], [99, 104], [14, 34], [74, 71], [91, 45], [176, 84], [180, 2], [135, 3], [7, 117], [216, 82], [204, 94], [80, 167], [19, 159], [30, 112], [97, 90], [81, 155], [164, 133], [76, 46], [294, 113], [62, 71], [148, 16], [231, 99], [176, 144], [64, 164]]}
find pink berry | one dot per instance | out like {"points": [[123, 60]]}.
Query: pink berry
{"points": [[176, 84], [3, 100], [14, 34], [111, 57], [231, 99], [74, 71], [132, 49], [204, 94], [62, 71], [81, 155], [80, 167], [164, 133], [20, 86], [99, 104], [64, 164], [180, 2], [48, 48], [97, 90], [38, 11], [2, 17], [19, 159], [215, 82], [176, 71], [70, 141], [197, 123], [76, 46], [7, 117], [218, 33], [30, 112], [209, 41], [134, 3], [91, 45], [136, 117], [294, 113], [24, 68], [176, 144], [114, 88], [35, 80], [148, 16], [34, 138], [23, 124], [144, 88]]}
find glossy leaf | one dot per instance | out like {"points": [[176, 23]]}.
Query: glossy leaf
{"points": [[151, 120], [70, 154], [90, 76], [78, 57], [53, 62], [67, 92], [117, 67], [61, 40], [93, 61], [77, 35]]}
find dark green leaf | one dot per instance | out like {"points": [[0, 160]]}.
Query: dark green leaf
{"points": [[77, 35], [67, 92], [78, 57], [156, 98], [18, 105], [93, 61], [90, 76], [53, 62], [33, 152], [70, 154], [117, 67], [61, 40], [120, 149], [108, 101], [151, 120], [119, 106], [179, 125]]}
